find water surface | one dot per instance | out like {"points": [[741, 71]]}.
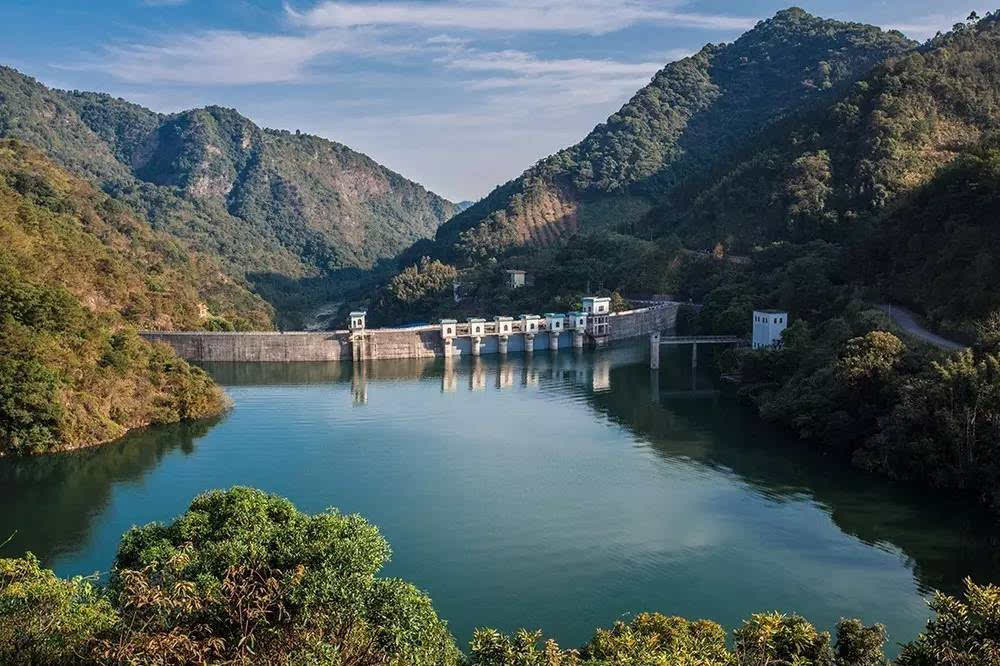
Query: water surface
{"points": [[558, 492]]}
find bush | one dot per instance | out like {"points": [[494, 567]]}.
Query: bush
{"points": [[244, 576], [963, 632], [45, 619]]}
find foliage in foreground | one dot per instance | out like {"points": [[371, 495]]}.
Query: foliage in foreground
{"points": [[244, 578]]}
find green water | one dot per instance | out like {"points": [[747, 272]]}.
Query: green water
{"points": [[559, 492]]}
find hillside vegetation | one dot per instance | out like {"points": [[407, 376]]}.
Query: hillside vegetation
{"points": [[271, 206], [78, 275], [245, 578], [694, 112]]}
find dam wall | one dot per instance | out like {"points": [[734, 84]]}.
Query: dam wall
{"points": [[388, 343]]}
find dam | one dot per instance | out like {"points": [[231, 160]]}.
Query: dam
{"points": [[595, 326]]}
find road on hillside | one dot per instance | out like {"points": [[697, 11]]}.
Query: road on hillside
{"points": [[908, 322]]}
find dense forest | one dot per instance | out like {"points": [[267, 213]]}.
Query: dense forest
{"points": [[274, 207], [245, 578], [79, 274]]}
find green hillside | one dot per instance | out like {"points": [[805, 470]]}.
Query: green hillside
{"points": [[273, 206], [79, 273], [693, 113]]}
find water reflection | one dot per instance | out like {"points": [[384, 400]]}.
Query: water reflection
{"points": [[395, 458], [50, 504], [678, 412]]}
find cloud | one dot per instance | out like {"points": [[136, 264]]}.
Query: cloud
{"points": [[581, 16], [221, 57], [927, 26], [528, 64]]}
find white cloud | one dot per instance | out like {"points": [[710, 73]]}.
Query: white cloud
{"points": [[583, 16], [927, 26], [221, 57], [528, 64]]}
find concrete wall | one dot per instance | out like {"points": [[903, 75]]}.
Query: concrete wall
{"points": [[635, 323], [265, 347], [387, 343], [391, 343]]}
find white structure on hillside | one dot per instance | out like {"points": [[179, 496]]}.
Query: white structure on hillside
{"points": [[515, 279], [358, 320], [768, 326]]}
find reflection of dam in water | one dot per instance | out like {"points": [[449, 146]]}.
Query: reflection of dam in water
{"points": [[591, 370], [499, 373]]}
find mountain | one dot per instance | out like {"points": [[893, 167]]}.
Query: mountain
{"points": [[890, 157], [693, 114], [267, 203], [78, 274], [901, 168]]}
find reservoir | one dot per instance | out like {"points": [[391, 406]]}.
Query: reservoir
{"points": [[561, 491]]}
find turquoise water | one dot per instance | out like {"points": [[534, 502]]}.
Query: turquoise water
{"points": [[560, 492]]}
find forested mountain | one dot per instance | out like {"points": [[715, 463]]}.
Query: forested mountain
{"points": [[264, 201], [802, 130], [693, 114], [902, 168], [78, 274]]}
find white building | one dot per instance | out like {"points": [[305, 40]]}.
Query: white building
{"points": [[555, 322], [768, 326], [476, 325], [530, 323], [358, 320], [597, 309], [515, 279], [597, 305], [504, 325], [448, 327], [576, 320]]}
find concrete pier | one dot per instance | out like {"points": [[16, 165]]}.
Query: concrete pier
{"points": [[502, 342], [654, 350], [694, 356], [554, 340], [529, 343], [477, 346]]}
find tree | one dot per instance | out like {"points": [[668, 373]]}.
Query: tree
{"points": [[773, 639], [858, 645], [653, 638], [45, 619], [870, 358], [963, 632], [489, 647], [619, 303], [421, 280], [244, 576]]}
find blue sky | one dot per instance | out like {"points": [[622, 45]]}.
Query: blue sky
{"points": [[460, 96]]}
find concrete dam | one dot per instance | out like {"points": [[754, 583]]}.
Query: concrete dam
{"points": [[529, 333]]}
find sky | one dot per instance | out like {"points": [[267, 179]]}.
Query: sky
{"points": [[459, 96]]}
